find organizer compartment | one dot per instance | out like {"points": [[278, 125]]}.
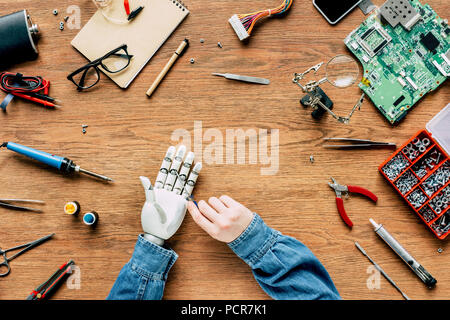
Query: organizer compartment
{"points": [[420, 172]]}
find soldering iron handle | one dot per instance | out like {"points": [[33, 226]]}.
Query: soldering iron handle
{"points": [[60, 163], [44, 157]]}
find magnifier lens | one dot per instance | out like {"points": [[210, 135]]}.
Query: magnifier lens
{"points": [[342, 71]]}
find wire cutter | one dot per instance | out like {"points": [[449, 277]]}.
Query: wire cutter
{"points": [[340, 189], [7, 204], [26, 247]]}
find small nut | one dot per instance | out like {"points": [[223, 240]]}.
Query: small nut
{"points": [[55, 11], [61, 27], [440, 250], [192, 60], [202, 40]]}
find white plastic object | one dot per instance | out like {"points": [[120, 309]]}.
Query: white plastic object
{"points": [[163, 211], [238, 27], [439, 127]]}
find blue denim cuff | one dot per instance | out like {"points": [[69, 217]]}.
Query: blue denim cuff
{"points": [[255, 241], [152, 261]]}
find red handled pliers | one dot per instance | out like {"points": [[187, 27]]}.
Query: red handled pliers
{"points": [[340, 189]]}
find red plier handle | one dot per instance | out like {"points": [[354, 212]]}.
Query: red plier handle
{"points": [[365, 192], [340, 202]]}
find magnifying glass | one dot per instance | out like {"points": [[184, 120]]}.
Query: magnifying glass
{"points": [[341, 71]]}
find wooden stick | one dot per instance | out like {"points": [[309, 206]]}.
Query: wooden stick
{"points": [[184, 44]]}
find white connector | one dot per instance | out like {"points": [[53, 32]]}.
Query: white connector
{"points": [[238, 27]]}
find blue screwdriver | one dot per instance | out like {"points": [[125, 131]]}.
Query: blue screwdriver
{"points": [[62, 164]]}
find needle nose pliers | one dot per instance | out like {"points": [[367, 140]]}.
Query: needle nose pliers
{"points": [[340, 189]]}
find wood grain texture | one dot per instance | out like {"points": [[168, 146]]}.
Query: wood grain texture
{"points": [[129, 133]]}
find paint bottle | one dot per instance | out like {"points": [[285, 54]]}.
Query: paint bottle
{"points": [[72, 208], [90, 218]]}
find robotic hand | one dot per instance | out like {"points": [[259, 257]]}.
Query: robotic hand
{"points": [[166, 203]]}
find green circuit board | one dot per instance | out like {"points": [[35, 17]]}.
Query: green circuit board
{"points": [[404, 55]]}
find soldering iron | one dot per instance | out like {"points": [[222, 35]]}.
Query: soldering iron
{"points": [[64, 165]]}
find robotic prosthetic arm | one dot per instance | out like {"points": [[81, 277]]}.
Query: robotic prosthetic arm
{"points": [[166, 202]]}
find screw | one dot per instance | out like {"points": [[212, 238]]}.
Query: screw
{"points": [[219, 45], [84, 126], [311, 158], [66, 18]]}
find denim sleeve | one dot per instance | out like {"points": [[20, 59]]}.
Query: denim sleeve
{"points": [[284, 267], [144, 276]]}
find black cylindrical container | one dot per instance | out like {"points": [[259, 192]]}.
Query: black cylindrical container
{"points": [[17, 34]]}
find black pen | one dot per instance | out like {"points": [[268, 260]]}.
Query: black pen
{"points": [[134, 13]]}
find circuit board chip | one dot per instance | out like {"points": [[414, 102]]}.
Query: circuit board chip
{"points": [[403, 57], [430, 42], [374, 40]]}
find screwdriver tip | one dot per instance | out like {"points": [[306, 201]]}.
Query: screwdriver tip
{"points": [[56, 106]]}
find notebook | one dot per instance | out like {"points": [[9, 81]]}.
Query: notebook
{"points": [[144, 35]]}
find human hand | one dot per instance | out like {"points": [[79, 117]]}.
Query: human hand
{"points": [[165, 205], [223, 218]]}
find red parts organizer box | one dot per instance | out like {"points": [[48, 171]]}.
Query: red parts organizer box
{"points": [[420, 172]]}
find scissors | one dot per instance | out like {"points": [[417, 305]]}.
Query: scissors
{"points": [[26, 247]]}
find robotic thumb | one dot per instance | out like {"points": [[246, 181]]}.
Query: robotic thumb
{"points": [[151, 198], [148, 188]]}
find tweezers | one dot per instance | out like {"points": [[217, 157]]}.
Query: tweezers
{"points": [[243, 78], [357, 143], [7, 203]]}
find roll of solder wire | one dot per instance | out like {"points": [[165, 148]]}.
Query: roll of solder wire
{"points": [[17, 38]]}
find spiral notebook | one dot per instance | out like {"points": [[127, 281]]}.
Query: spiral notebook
{"points": [[144, 35]]}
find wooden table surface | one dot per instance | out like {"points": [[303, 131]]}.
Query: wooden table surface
{"points": [[128, 135]]}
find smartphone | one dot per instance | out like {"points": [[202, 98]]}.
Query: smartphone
{"points": [[334, 10]]}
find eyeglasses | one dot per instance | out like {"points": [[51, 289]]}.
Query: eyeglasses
{"points": [[113, 62]]}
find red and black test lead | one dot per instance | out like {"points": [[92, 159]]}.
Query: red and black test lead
{"points": [[32, 88], [47, 288]]}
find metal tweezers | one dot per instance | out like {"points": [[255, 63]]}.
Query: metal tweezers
{"points": [[357, 143], [238, 77], [7, 203]]}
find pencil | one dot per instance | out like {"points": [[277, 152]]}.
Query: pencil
{"points": [[184, 44]]}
